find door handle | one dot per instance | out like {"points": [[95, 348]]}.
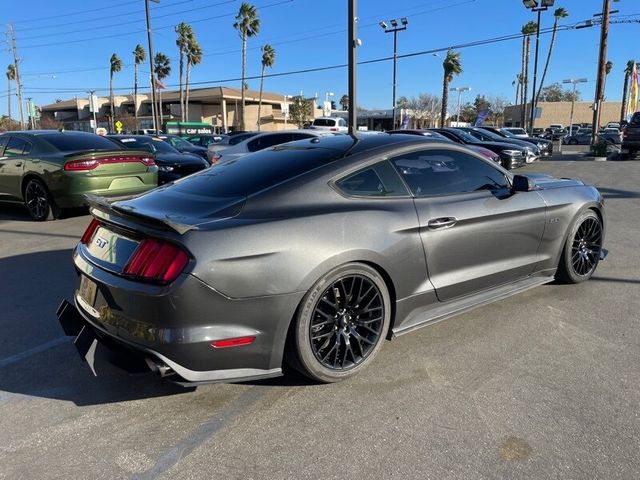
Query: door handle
{"points": [[442, 222], [18, 164]]}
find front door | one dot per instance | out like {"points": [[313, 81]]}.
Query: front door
{"points": [[12, 163], [476, 233]]}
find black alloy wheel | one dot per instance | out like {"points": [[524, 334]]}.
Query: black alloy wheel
{"points": [[38, 201], [342, 322], [581, 254]]}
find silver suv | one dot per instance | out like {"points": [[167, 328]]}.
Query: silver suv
{"points": [[331, 124]]}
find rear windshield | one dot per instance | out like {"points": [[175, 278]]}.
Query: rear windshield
{"points": [[257, 171], [73, 142], [324, 122], [148, 144]]}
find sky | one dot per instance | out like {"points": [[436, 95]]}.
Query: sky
{"points": [[64, 46]]}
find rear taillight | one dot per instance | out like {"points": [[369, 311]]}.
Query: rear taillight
{"points": [[233, 342], [87, 236], [625, 132], [157, 261], [333, 129], [92, 163], [215, 158]]}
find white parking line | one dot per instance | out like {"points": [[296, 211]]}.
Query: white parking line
{"points": [[40, 348]]}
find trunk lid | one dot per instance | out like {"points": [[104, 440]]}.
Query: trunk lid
{"points": [[109, 162]]}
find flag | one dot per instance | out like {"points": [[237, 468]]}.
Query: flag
{"points": [[405, 122], [160, 85], [633, 93], [482, 116]]}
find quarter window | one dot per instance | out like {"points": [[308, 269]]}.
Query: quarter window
{"points": [[16, 147], [445, 172], [380, 180]]}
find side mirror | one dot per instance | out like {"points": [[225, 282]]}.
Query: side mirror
{"points": [[522, 184]]}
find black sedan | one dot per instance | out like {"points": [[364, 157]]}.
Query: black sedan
{"points": [[172, 164], [545, 146], [511, 156], [315, 251], [206, 139], [532, 151], [183, 146]]}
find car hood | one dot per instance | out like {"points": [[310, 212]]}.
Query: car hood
{"points": [[534, 141], [503, 145]]}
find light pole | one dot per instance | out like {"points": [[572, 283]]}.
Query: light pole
{"points": [[460, 91], [156, 125], [574, 81], [326, 110], [93, 106], [538, 8], [394, 29]]}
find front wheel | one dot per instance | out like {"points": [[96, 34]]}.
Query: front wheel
{"points": [[38, 201], [581, 252], [341, 324]]}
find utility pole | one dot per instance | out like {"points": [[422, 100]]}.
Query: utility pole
{"points": [[352, 46], [602, 62], [16, 61], [156, 124], [394, 29], [29, 114], [93, 104]]}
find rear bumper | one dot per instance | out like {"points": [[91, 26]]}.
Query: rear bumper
{"points": [[173, 326]]}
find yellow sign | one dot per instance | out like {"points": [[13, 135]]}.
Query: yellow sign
{"points": [[119, 126]]}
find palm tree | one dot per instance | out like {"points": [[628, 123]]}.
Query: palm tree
{"points": [[527, 30], [451, 66], [115, 65], [162, 69], [248, 25], [139, 56], [625, 92], [11, 76], [517, 83], [268, 59], [185, 33], [557, 15], [194, 57]]}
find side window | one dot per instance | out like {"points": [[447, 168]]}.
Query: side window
{"points": [[342, 122], [3, 142], [15, 147], [300, 136], [380, 180], [446, 172], [268, 141]]}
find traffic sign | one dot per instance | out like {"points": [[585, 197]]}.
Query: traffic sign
{"points": [[119, 126]]}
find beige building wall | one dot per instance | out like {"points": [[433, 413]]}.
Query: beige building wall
{"points": [[560, 112]]}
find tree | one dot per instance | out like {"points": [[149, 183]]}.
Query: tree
{"points": [[139, 56], [184, 32], [300, 110], [7, 124], [115, 65], [162, 69], [248, 25], [268, 59], [527, 30], [424, 109], [628, 71], [344, 102], [194, 57], [555, 93], [11, 76], [557, 15], [497, 106], [451, 67]]}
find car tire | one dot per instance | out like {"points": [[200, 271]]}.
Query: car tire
{"points": [[581, 252], [39, 202], [334, 336]]}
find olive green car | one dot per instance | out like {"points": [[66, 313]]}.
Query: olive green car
{"points": [[49, 171]]}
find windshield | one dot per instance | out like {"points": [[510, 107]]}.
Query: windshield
{"points": [[148, 143], [507, 133], [466, 137], [490, 135], [178, 141]]}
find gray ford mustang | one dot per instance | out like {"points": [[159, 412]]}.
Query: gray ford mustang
{"points": [[316, 251]]}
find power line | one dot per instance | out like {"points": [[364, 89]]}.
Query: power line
{"points": [[69, 14], [102, 37]]}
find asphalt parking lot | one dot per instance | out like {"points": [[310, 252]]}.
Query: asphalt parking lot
{"points": [[545, 384]]}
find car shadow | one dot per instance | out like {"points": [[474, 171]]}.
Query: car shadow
{"points": [[36, 360], [18, 213], [614, 193]]}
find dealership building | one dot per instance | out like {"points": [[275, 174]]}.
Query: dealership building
{"points": [[217, 106], [560, 113]]}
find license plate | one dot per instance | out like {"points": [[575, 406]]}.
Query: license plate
{"points": [[87, 290]]}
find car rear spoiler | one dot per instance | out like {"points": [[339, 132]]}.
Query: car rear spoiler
{"points": [[104, 208]]}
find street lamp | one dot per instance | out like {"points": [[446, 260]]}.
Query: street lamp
{"points": [[536, 7], [574, 81], [395, 28], [460, 90]]}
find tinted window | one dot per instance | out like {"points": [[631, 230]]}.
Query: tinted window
{"points": [[15, 147], [240, 137], [3, 142], [70, 142], [380, 180], [324, 122], [148, 144], [444, 172], [267, 141], [252, 173]]}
